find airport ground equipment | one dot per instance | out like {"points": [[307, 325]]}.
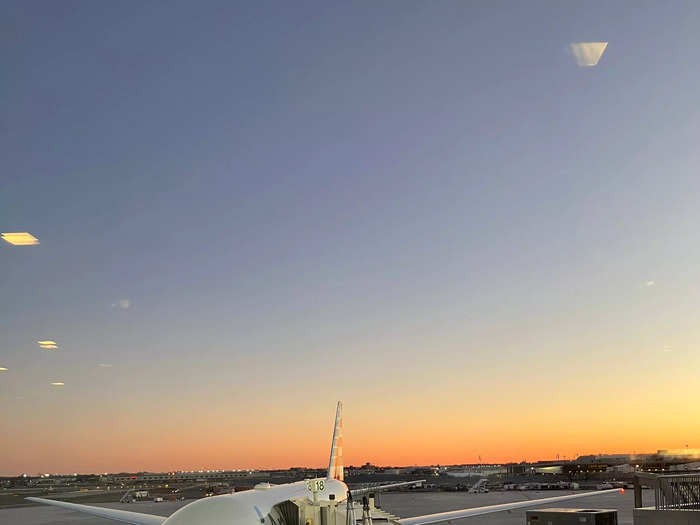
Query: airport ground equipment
{"points": [[571, 517], [479, 486], [310, 502], [366, 514], [127, 497]]}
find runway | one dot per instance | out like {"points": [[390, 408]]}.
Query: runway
{"points": [[404, 504]]}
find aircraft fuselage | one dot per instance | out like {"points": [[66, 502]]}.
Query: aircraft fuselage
{"points": [[254, 507]]}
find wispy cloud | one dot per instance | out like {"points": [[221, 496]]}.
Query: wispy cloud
{"points": [[122, 304], [649, 283], [587, 54], [105, 365], [667, 348]]}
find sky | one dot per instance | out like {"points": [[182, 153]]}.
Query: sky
{"points": [[430, 210]]}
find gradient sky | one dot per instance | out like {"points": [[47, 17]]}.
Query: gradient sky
{"points": [[425, 209]]}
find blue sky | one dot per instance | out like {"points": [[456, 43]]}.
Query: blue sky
{"points": [[281, 190]]}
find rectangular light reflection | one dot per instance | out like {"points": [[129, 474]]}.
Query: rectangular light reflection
{"points": [[20, 238]]}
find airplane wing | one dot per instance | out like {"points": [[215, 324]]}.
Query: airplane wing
{"points": [[134, 518], [380, 488], [478, 511]]}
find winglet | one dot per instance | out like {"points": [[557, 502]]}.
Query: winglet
{"points": [[335, 465]]}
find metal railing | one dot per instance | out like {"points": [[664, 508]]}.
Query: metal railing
{"points": [[671, 491]]}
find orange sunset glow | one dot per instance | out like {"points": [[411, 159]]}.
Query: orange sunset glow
{"points": [[454, 426]]}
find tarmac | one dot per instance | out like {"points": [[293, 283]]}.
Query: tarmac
{"points": [[407, 504], [404, 504]]}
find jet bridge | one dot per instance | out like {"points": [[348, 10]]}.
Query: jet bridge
{"points": [[676, 499], [349, 512], [306, 512]]}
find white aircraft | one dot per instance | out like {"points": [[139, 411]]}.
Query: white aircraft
{"points": [[280, 504]]}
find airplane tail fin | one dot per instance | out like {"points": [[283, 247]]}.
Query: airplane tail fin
{"points": [[335, 465]]}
